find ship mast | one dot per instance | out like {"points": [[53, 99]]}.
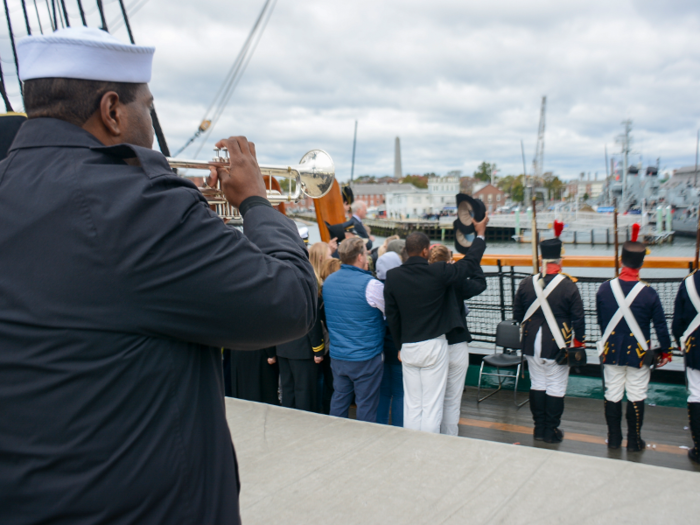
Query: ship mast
{"points": [[625, 141], [538, 161]]}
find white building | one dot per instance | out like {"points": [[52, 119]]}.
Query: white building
{"points": [[409, 202]]}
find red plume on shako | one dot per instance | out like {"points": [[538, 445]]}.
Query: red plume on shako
{"points": [[552, 248], [633, 252]]}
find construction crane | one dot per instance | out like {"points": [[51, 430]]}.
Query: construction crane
{"points": [[538, 161]]}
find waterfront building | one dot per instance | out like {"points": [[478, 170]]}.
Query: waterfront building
{"points": [[375, 194], [492, 197], [407, 201]]}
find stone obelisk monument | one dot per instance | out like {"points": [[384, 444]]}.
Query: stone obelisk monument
{"points": [[398, 172]]}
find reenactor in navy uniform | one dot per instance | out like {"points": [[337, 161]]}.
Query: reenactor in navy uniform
{"points": [[119, 288], [552, 319], [626, 308], [686, 330]]}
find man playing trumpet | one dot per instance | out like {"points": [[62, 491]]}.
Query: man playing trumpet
{"points": [[119, 287]]}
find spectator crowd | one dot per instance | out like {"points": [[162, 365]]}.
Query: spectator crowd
{"points": [[391, 336]]}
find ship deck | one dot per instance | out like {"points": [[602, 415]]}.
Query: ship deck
{"points": [[298, 467]]}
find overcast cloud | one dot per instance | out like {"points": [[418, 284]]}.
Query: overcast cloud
{"points": [[459, 82]]}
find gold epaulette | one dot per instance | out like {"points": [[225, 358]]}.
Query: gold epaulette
{"points": [[573, 279]]}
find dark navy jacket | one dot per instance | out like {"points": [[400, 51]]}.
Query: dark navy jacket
{"points": [[463, 291], [118, 289], [567, 307], [683, 314], [622, 348]]}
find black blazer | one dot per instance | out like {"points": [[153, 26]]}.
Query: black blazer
{"points": [[470, 287], [419, 304]]}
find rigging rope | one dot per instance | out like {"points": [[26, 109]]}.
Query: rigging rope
{"points": [[36, 8], [14, 49], [26, 18], [53, 22], [126, 21], [225, 92], [8, 105], [102, 15], [82, 13], [65, 12]]}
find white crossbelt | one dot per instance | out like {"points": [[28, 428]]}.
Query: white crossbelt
{"points": [[541, 302], [695, 299], [623, 310]]}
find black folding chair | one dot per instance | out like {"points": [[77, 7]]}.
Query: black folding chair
{"points": [[507, 337]]}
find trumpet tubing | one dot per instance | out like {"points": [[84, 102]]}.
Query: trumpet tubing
{"points": [[312, 177]]}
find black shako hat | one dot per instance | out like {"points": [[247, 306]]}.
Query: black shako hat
{"points": [[551, 248], [633, 252], [348, 195], [337, 231]]}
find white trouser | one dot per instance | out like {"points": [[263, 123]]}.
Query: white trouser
{"points": [[456, 374], [546, 374], [619, 379], [693, 385], [424, 366]]}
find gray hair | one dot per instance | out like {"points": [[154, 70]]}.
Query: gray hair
{"points": [[357, 205]]}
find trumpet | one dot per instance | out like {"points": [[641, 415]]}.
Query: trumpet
{"points": [[312, 177]]}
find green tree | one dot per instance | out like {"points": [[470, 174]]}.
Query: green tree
{"points": [[484, 171], [419, 181], [517, 193], [585, 197], [553, 184]]}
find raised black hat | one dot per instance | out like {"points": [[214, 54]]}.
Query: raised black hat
{"points": [[337, 231], [470, 209], [464, 236], [633, 252], [348, 195], [633, 170]]}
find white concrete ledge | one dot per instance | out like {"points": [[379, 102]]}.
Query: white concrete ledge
{"points": [[301, 468]]}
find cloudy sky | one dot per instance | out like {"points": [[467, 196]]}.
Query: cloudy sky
{"points": [[459, 82]]}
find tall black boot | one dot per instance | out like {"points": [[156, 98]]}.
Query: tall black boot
{"points": [[539, 414], [554, 408], [613, 416], [694, 417], [635, 419]]}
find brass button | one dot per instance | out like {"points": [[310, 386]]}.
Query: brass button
{"points": [[631, 335], [630, 346], [628, 352], [612, 333]]}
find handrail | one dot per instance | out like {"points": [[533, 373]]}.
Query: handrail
{"points": [[583, 261]]}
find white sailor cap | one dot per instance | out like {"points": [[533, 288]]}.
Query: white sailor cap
{"points": [[83, 53]]}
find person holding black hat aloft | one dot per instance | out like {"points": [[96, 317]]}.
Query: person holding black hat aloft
{"points": [[550, 310], [626, 308]]}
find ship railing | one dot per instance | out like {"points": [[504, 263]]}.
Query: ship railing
{"points": [[505, 272]]}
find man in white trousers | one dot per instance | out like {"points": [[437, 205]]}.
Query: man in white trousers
{"points": [[626, 308], [686, 330], [551, 316], [420, 310], [457, 340]]}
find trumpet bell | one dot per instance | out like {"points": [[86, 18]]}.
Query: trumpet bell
{"points": [[316, 173]]}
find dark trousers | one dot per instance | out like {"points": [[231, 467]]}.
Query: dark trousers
{"points": [[391, 396], [299, 379], [361, 378]]}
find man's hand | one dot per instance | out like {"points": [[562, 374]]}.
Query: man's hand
{"points": [[480, 227], [333, 244], [242, 178], [399, 356], [271, 360], [318, 359]]}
